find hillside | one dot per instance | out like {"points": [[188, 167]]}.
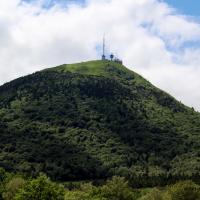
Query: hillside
{"points": [[95, 119]]}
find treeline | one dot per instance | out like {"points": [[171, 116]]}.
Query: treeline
{"points": [[18, 187]]}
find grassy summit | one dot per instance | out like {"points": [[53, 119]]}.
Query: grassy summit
{"points": [[95, 119], [97, 68], [109, 69]]}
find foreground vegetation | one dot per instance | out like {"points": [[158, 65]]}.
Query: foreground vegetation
{"points": [[17, 187]]}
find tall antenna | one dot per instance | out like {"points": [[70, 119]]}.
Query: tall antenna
{"points": [[104, 45], [103, 55]]}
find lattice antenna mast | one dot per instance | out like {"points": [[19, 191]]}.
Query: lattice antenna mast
{"points": [[104, 47]]}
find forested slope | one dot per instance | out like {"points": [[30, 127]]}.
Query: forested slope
{"points": [[93, 120]]}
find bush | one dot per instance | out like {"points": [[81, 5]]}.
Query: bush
{"points": [[41, 189], [185, 190]]}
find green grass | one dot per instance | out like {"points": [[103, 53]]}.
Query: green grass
{"points": [[97, 68], [109, 69]]}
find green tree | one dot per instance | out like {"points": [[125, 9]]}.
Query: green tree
{"points": [[185, 190], [3, 176], [86, 192], [12, 187], [117, 189], [154, 194], [41, 189]]}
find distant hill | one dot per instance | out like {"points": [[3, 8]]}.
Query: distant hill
{"points": [[95, 119]]}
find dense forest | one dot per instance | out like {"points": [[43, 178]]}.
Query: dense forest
{"points": [[94, 120]]}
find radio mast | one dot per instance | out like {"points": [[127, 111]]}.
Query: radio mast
{"points": [[103, 55]]}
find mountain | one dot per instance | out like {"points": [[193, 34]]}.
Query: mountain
{"points": [[92, 120]]}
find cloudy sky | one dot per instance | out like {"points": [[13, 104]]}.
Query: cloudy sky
{"points": [[158, 39]]}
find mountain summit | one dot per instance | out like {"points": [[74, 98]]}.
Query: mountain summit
{"points": [[93, 120]]}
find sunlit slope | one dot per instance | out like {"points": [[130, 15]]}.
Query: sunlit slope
{"points": [[100, 68]]}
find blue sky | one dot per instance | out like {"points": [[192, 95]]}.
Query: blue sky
{"points": [[187, 7], [49, 3]]}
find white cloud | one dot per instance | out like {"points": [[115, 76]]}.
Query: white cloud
{"points": [[149, 35]]}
